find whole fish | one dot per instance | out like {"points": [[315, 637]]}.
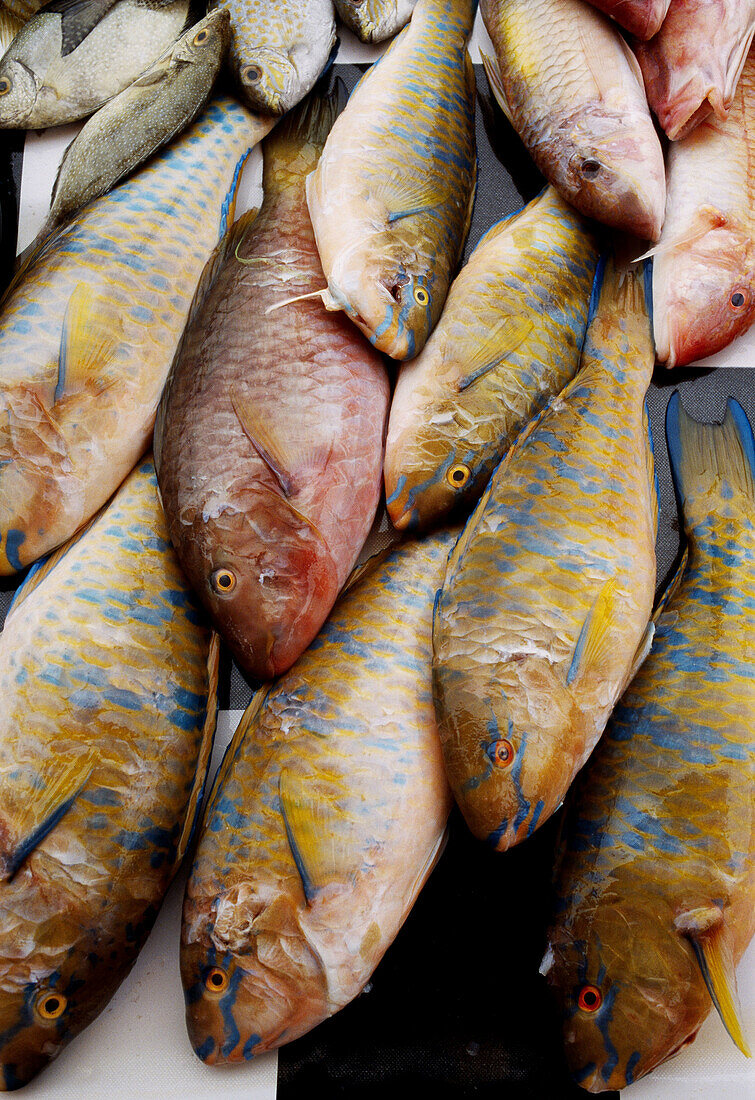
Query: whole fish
{"points": [[692, 67], [656, 884], [136, 122], [510, 336], [278, 49], [327, 816], [108, 678], [88, 331], [74, 55], [571, 88], [548, 594], [642, 18], [269, 442], [704, 265], [391, 198], [375, 20]]}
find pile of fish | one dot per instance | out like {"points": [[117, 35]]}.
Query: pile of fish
{"points": [[508, 633]]}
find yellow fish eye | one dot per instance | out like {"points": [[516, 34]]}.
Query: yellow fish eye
{"points": [[223, 581], [252, 74], [5, 85], [458, 476], [50, 1005], [421, 297], [201, 38], [216, 980]]}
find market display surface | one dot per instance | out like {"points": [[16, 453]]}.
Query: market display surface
{"points": [[311, 851]]}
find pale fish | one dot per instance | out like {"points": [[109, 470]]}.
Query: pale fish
{"points": [[642, 18], [375, 20]]}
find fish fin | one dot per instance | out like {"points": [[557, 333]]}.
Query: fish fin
{"points": [[367, 566], [404, 198], [89, 341], [288, 452], [500, 341], [247, 720], [78, 19], [705, 458], [706, 931], [632, 62], [205, 750], [309, 123], [643, 648], [156, 75], [428, 866], [671, 588], [493, 73], [594, 637], [736, 63], [228, 245], [42, 568], [316, 831], [655, 488], [706, 218]]}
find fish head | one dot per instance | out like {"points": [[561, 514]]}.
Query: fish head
{"points": [[268, 79], [207, 41], [18, 93], [628, 987], [375, 20]]}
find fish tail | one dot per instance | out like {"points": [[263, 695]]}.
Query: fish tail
{"points": [[307, 125], [619, 332]]}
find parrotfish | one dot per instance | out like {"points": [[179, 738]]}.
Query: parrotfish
{"points": [[704, 264], [73, 56], [108, 677], [327, 815], [642, 18], [375, 20], [545, 609], [89, 328], [510, 336], [269, 443], [571, 88], [391, 198], [656, 880], [692, 67]]}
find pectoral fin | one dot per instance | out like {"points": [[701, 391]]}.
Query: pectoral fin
{"points": [[592, 648], [499, 342], [283, 448], [316, 831], [493, 73], [714, 956], [89, 341], [404, 198]]}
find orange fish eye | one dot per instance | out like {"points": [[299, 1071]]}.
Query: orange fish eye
{"points": [[201, 37], [502, 753], [739, 299], [590, 998], [50, 1005], [458, 475], [216, 980], [223, 581]]}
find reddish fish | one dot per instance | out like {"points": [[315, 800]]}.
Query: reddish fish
{"points": [[642, 18]]}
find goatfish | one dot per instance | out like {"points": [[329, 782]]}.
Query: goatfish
{"points": [[72, 57], [108, 676], [375, 20], [571, 88], [642, 18], [269, 441], [327, 816], [656, 876], [90, 326], [510, 336], [391, 198], [544, 612], [692, 67], [278, 49], [704, 263]]}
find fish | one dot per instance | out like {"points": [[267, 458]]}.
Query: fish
{"points": [[571, 88], [279, 48], [391, 197], [655, 884], [692, 67], [269, 440], [74, 55], [545, 609], [704, 263], [375, 20], [642, 18], [134, 124], [509, 337], [108, 675], [10, 25], [89, 328], [326, 817]]}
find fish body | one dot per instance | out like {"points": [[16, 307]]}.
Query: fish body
{"points": [[571, 87], [510, 336], [327, 816], [692, 67], [375, 20], [656, 880], [704, 269], [270, 436], [72, 57], [391, 197], [108, 678], [88, 331], [278, 49], [549, 591], [642, 18]]}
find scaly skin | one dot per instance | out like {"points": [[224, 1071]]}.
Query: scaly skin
{"points": [[642, 18], [391, 197], [140, 251], [375, 20], [519, 306], [311, 383], [575, 97], [660, 824], [566, 522], [105, 662], [704, 270], [344, 754]]}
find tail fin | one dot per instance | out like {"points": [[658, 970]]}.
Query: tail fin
{"points": [[310, 122], [620, 332]]}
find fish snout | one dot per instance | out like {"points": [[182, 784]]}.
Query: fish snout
{"points": [[265, 79]]}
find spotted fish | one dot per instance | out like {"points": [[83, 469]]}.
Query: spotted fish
{"points": [[326, 818], [548, 594], [656, 884], [108, 678], [89, 329], [375, 20], [391, 197]]}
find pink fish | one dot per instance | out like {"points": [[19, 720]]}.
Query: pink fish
{"points": [[642, 18]]}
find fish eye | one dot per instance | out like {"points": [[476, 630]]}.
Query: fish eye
{"points": [[421, 297], [50, 1005], [590, 998], [501, 753], [590, 168], [5, 85], [458, 476], [201, 37], [216, 980], [738, 299], [223, 581], [252, 74]]}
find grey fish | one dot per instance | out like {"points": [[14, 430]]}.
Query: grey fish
{"points": [[375, 20], [74, 55]]}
